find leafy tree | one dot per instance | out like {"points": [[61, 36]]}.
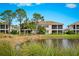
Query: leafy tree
{"points": [[14, 32], [41, 30], [36, 17], [28, 25], [20, 14], [8, 16]]}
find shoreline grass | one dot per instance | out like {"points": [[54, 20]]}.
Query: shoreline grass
{"points": [[6, 49]]}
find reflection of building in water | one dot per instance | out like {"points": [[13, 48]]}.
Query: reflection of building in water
{"points": [[49, 42], [66, 43]]}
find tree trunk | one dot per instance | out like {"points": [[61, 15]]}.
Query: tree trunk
{"points": [[36, 27], [9, 27], [20, 29]]}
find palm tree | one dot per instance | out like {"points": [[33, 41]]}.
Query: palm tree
{"points": [[20, 14], [8, 16], [36, 18]]}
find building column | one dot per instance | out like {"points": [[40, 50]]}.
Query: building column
{"points": [[50, 29], [62, 29], [5, 28], [24, 31], [57, 29], [75, 29]]}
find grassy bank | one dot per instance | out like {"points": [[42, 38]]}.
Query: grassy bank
{"points": [[14, 39], [66, 36], [40, 36]]}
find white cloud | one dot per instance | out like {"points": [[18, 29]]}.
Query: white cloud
{"points": [[71, 5], [37, 3], [24, 4]]}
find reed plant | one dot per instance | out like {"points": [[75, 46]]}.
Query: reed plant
{"points": [[6, 49]]}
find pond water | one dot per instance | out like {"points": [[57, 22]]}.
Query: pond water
{"points": [[65, 43]]}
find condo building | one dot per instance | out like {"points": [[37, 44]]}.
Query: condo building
{"points": [[3, 27], [74, 27], [52, 27]]}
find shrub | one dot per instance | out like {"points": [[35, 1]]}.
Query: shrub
{"points": [[14, 32], [70, 32]]}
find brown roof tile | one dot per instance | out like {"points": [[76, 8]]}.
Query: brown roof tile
{"points": [[49, 23], [76, 23], [3, 23]]}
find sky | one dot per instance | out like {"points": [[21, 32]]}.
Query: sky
{"points": [[66, 13]]}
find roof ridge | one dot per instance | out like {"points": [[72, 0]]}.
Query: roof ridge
{"points": [[56, 22], [50, 22]]}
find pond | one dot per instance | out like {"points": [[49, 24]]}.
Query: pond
{"points": [[51, 47], [65, 43]]}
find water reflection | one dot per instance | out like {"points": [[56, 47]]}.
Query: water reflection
{"points": [[65, 43]]}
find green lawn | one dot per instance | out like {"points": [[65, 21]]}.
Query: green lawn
{"points": [[66, 36]]}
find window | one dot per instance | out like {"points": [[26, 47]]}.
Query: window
{"points": [[59, 26], [54, 26], [2, 26], [77, 26]]}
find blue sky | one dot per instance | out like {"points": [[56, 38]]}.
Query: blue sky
{"points": [[60, 12]]}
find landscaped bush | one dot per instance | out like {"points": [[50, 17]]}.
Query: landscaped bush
{"points": [[14, 32], [70, 32]]}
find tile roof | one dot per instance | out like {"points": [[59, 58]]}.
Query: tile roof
{"points": [[49, 23], [3, 22], [76, 23]]}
